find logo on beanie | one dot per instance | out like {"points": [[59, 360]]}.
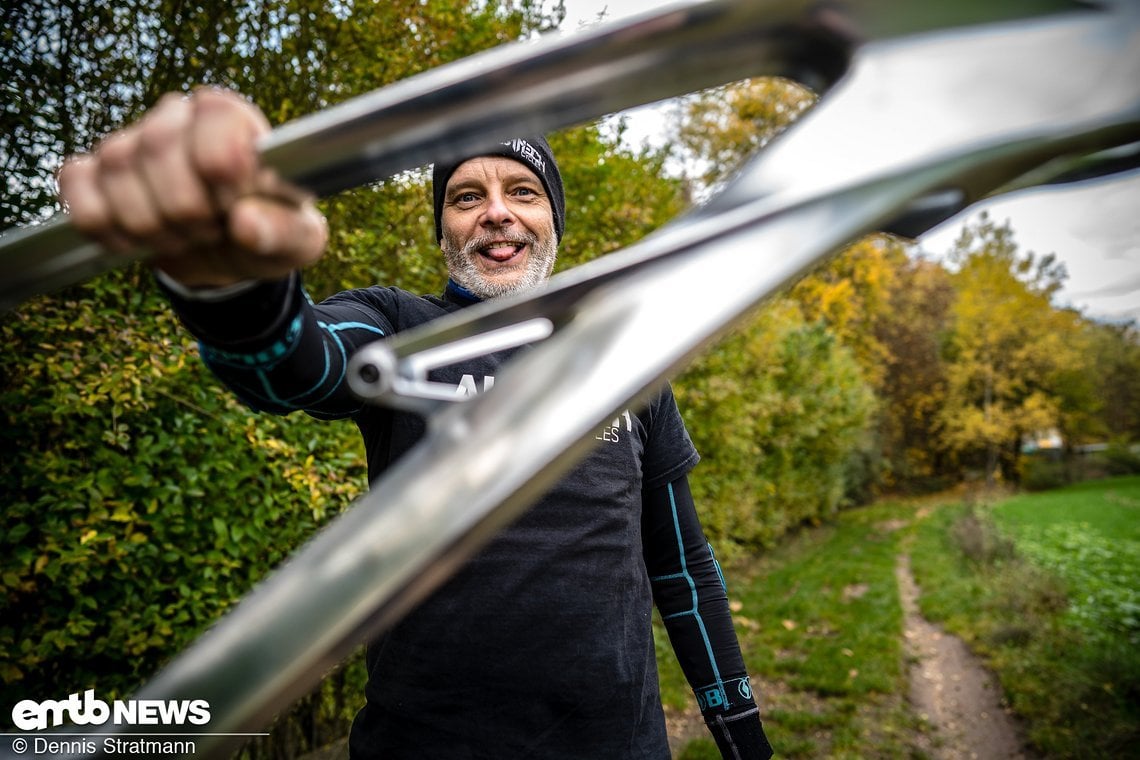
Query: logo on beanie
{"points": [[529, 152]]}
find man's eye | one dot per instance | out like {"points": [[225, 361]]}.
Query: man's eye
{"points": [[467, 198], [524, 191]]}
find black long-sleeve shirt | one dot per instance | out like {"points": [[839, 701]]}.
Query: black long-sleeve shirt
{"points": [[542, 644]]}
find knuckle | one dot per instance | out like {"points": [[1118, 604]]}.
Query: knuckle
{"points": [[81, 198], [74, 173], [117, 150], [184, 206], [222, 158], [162, 129], [224, 144], [86, 217], [156, 135], [140, 224], [214, 164]]}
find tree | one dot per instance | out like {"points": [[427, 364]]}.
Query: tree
{"points": [[69, 73], [1115, 353], [913, 383], [724, 125], [779, 410], [1007, 348], [84, 68], [851, 293]]}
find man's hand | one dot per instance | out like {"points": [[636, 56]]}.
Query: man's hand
{"points": [[186, 183]]}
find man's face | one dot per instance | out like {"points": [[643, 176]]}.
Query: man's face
{"points": [[498, 227]]}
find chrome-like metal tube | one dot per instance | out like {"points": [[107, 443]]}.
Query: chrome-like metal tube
{"points": [[535, 87]]}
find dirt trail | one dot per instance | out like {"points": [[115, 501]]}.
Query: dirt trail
{"points": [[952, 691]]}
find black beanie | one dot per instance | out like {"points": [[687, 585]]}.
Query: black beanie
{"points": [[532, 152]]}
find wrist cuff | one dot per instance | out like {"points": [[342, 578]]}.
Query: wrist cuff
{"points": [[202, 294], [740, 736]]}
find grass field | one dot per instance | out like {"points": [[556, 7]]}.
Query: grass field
{"points": [[1088, 536], [1042, 586], [820, 623]]}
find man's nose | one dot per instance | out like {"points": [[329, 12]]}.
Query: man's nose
{"points": [[497, 213]]}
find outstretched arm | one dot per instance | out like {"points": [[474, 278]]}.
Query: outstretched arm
{"points": [[279, 352], [690, 594], [228, 237]]}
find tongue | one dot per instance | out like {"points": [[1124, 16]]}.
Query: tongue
{"points": [[500, 253]]}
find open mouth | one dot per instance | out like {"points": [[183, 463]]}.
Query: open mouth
{"points": [[501, 250]]}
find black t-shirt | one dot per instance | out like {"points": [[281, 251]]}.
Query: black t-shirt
{"points": [[541, 646]]}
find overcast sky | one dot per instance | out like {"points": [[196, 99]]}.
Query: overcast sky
{"points": [[1093, 228]]}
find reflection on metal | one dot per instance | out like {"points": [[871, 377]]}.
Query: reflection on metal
{"points": [[916, 128]]}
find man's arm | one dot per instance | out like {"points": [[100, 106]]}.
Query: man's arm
{"points": [[276, 350], [228, 238], [690, 594]]}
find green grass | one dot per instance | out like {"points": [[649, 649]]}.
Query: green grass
{"points": [[820, 622], [1110, 508], [1044, 587], [1088, 536]]}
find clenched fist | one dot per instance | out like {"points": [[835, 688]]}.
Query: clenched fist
{"points": [[185, 182]]}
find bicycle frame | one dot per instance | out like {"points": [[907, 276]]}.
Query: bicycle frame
{"points": [[925, 111]]}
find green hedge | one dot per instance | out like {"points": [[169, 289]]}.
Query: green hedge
{"points": [[140, 499]]}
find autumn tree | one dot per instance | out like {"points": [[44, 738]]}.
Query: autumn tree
{"points": [[1007, 348], [852, 293], [723, 126], [786, 404]]}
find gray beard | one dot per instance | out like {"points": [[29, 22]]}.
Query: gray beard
{"points": [[461, 265]]}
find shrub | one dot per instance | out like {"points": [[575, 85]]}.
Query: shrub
{"points": [[1120, 458], [141, 500], [779, 411], [978, 541]]}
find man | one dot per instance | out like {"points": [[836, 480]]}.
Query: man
{"points": [[541, 646]]}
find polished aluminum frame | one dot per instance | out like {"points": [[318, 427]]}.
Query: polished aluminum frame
{"points": [[926, 108]]}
